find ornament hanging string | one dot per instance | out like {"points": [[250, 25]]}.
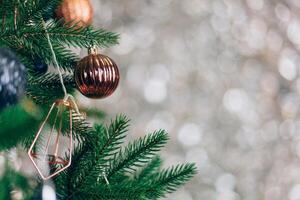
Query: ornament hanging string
{"points": [[15, 17], [55, 60], [67, 96]]}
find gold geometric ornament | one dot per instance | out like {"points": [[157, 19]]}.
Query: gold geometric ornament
{"points": [[51, 149]]}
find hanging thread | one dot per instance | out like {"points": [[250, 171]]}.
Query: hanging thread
{"points": [[67, 96], [55, 60]]}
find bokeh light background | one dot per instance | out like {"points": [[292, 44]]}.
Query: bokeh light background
{"points": [[221, 76]]}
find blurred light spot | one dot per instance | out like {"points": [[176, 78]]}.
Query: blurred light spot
{"points": [[225, 182], [14, 158], [235, 100], [227, 62], [189, 134], [274, 40], [126, 44], [155, 91], [205, 194], [161, 120], [155, 124], [293, 32], [287, 129], [282, 12], [135, 76], [175, 48], [196, 7], [205, 34], [159, 71], [287, 68], [297, 147], [255, 4], [220, 20], [182, 195], [270, 84], [236, 12], [273, 192], [227, 195], [269, 131], [48, 193], [220, 9], [240, 31], [144, 37], [257, 34], [298, 85], [104, 13], [198, 156], [162, 4], [17, 195], [295, 2], [294, 193], [247, 137], [220, 24], [289, 106], [2, 163]]}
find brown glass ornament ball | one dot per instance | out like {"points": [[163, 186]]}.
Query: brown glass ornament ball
{"points": [[96, 76], [79, 12]]}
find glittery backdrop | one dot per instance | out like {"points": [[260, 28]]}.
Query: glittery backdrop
{"points": [[222, 78]]}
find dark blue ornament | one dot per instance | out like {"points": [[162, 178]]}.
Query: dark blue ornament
{"points": [[40, 66], [47, 17], [12, 78], [48, 14]]}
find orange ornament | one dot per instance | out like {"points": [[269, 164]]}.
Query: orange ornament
{"points": [[78, 12]]}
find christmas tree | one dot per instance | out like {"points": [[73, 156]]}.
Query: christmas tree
{"points": [[33, 36]]}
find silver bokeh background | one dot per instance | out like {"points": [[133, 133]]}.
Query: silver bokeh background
{"points": [[221, 76]]}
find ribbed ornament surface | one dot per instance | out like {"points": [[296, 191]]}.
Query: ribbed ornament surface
{"points": [[96, 76]]}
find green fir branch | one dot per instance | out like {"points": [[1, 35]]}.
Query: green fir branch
{"points": [[132, 172], [37, 86], [149, 170], [40, 49], [33, 9], [138, 153], [50, 80], [65, 34], [18, 123], [65, 57], [125, 191], [168, 180], [95, 153], [71, 34]]}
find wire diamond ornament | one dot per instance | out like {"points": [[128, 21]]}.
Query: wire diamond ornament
{"points": [[48, 152]]}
